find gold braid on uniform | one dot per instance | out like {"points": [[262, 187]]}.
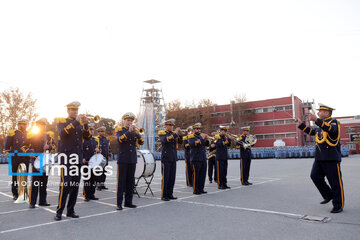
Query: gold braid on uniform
{"points": [[326, 138]]}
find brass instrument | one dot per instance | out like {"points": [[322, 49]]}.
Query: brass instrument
{"points": [[22, 185], [142, 131], [186, 131], [95, 118], [211, 154], [249, 141], [236, 137]]}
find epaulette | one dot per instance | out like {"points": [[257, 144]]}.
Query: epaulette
{"points": [[190, 136], [11, 132], [60, 120], [51, 134], [97, 139], [107, 138], [118, 129], [185, 138], [161, 132], [217, 136], [30, 135]]}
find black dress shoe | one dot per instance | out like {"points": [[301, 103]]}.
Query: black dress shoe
{"points": [[249, 183], [226, 186], [119, 208], [98, 188], [86, 199], [197, 193], [326, 200], [130, 205], [203, 192], [210, 181], [32, 206], [93, 198], [15, 197], [336, 210], [44, 204], [172, 197], [72, 215], [222, 187], [165, 199], [103, 187], [57, 218], [245, 184]]}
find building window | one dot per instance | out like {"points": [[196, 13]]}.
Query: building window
{"points": [[267, 123], [289, 107], [351, 146], [270, 136], [279, 122], [289, 121], [350, 129], [279, 108], [290, 135], [259, 123], [260, 137], [259, 110]]}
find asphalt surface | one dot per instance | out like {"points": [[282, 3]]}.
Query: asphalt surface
{"points": [[272, 208]]}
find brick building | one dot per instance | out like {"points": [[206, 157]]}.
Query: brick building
{"points": [[270, 119], [350, 132]]}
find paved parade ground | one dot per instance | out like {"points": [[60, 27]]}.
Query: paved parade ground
{"points": [[273, 208]]}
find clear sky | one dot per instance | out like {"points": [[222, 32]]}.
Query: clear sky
{"points": [[99, 52]]}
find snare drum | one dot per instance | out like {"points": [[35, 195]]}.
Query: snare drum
{"points": [[48, 160], [97, 160], [145, 166]]}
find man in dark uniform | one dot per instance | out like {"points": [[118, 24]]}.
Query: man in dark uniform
{"points": [[17, 141], [169, 141], [222, 143], [245, 156], [71, 131], [128, 138], [212, 161], [39, 142], [188, 168], [327, 156], [198, 158], [90, 147], [105, 151]]}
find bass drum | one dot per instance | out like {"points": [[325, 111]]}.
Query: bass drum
{"points": [[145, 166]]}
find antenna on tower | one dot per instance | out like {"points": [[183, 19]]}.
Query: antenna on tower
{"points": [[152, 114]]}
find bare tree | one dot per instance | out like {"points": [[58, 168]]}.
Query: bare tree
{"points": [[14, 105]]}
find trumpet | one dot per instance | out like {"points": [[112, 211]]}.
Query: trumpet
{"points": [[186, 131], [95, 119], [233, 136], [141, 131]]}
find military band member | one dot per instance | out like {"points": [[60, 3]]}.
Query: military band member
{"points": [[198, 158], [17, 141], [105, 151], [128, 138], [245, 156], [327, 156], [39, 143], [90, 147], [212, 162], [188, 168], [169, 141], [71, 131], [222, 144]]}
